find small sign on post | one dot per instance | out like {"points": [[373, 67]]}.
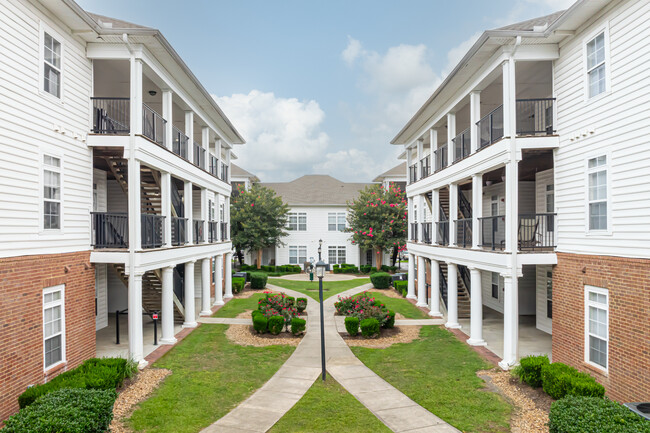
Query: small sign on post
{"points": [[155, 316]]}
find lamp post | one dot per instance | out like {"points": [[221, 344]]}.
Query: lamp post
{"points": [[320, 273], [320, 245]]}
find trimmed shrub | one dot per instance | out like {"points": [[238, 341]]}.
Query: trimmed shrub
{"points": [[350, 269], [559, 380], [381, 280], [352, 325], [258, 280], [298, 325], [66, 410], [260, 323], [290, 301], [275, 324], [301, 304], [530, 370], [401, 287], [335, 267], [238, 284], [374, 271], [365, 268], [594, 415], [390, 323], [369, 327]]}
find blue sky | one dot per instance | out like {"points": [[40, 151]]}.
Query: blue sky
{"points": [[321, 87]]}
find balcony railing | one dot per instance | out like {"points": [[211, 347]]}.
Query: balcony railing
{"points": [[152, 230], [490, 128], [426, 233], [413, 173], [425, 167], [153, 125], [214, 165], [225, 233], [213, 231], [535, 116], [179, 231], [110, 230], [464, 232], [199, 155], [535, 232], [179, 142], [493, 232], [414, 232], [441, 157], [199, 235], [111, 115], [442, 232], [224, 172], [462, 145]]}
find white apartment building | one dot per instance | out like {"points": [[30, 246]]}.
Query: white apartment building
{"points": [[531, 161]]}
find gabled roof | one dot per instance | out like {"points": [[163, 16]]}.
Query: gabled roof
{"points": [[529, 25], [237, 171], [398, 171], [114, 23], [316, 189]]}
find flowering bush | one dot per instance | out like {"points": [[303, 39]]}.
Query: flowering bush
{"points": [[278, 305], [362, 306]]}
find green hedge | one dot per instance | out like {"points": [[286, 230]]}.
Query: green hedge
{"points": [[401, 287], [275, 324], [66, 410], [381, 280], [559, 380], [298, 325], [386, 268], [301, 304], [94, 373], [365, 268], [390, 323], [594, 415], [238, 284], [369, 327], [352, 325], [258, 280], [529, 369], [260, 323]]}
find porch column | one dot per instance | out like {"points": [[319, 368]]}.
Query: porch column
{"points": [[136, 350], [187, 201], [433, 144], [477, 209], [451, 134], [452, 296], [419, 161], [135, 91], [167, 308], [217, 150], [435, 289], [135, 208], [190, 306], [435, 215], [476, 317], [512, 194], [204, 214], [205, 287], [167, 109], [218, 280], [420, 220], [509, 99], [189, 131], [422, 283], [411, 277], [409, 161], [217, 214], [166, 207], [453, 213], [475, 116], [510, 322], [228, 266]]}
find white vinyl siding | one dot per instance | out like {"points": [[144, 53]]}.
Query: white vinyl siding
{"points": [[336, 221], [336, 254], [596, 326], [597, 193], [596, 67], [544, 298], [53, 326], [297, 254], [297, 221]]}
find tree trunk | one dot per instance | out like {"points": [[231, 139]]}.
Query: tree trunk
{"points": [[259, 259], [394, 256], [240, 256], [378, 260]]}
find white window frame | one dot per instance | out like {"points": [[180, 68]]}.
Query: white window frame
{"points": [[337, 249], [604, 29], [41, 194], [498, 284], [588, 171], [297, 249], [337, 224], [44, 28], [297, 216], [589, 303], [59, 303]]}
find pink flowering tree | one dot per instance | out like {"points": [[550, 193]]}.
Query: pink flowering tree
{"points": [[377, 220]]}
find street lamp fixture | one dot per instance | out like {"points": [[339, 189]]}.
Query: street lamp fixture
{"points": [[320, 273], [320, 246]]}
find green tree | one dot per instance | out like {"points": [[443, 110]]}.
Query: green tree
{"points": [[258, 218], [377, 220]]}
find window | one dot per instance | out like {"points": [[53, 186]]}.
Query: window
{"points": [[596, 74], [597, 194], [297, 254], [51, 193], [596, 325], [51, 65], [336, 221], [550, 207], [336, 255], [297, 221], [53, 326], [549, 295], [495, 285]]}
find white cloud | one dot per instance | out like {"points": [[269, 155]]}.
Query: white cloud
{"points": [[352, 51], [283, 135], [358, 165]]}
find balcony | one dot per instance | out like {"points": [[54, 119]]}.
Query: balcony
{"points": [[224, 172], [199, 236], [214, 165], [111, 115], [213, 232], [464, 232], [425, 167], [199, 156], [441, 157], [413, 173], [442, 233], [179, 231], [462, 145], [536, 232], [179, 142], [414, 232], [152, 230], [225, 234], [111, 230], [153, 125], [426, 233]]}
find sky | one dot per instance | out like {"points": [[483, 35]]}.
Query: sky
{"points": [[321, 87]]}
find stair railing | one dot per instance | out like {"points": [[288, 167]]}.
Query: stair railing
{"points": [[466, 278]]}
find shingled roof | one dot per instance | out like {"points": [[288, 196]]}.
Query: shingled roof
{"points": [[237, 171], [528, 25], [316, 189], [398, 171]]}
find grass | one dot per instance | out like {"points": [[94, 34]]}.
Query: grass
{"points": [[210, 377], [328, 407], [236, 306], [310, 288], [439, 373], [400, 305]]}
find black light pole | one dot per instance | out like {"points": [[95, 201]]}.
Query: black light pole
{"points": [[320, 244], [320, 273]]}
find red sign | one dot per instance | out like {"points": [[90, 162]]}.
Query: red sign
{"points": [[154, 316]]}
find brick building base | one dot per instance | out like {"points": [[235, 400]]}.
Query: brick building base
{"points": [[22, 280], [628, 284]]}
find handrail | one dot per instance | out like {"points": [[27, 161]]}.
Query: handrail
{"points": [[152, 230], [199, 155], [441, 157], [179, 142], [111, 115], [462, 145], [442, 232], [179, 231], [110, 229], [153, 125], [463, 232], [414, 232], [198, 231]]}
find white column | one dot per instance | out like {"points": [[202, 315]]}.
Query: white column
{"points": [[228, 164], [433, 144], [189, 131], [476, 317], [205, 288], [477, 209], [510, 322], [167, 110], [452, 296], [187, 202], [453, 212], [420, 220], [409, 162], [422, 283], [218, 281], [135, 208], [512, 218], [475, 116], [136, 350], [136, 96], [204, 213], [167, 309], [190, 303], [217, 214], [420, 155], [435, 289], [411, 277], [228, 266], [509, 98], [166, 207], [451, 134]]}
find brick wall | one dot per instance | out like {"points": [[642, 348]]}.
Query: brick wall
{"points": [[628, 284], [22, 280]]}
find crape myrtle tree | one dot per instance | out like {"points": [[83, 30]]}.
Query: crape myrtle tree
{"points": [[258, 218], [377, 220]]}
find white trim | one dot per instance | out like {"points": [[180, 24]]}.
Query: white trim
{"points": [[297, 215], [604, 29], [58, 303], [43, 28], [608, 201], [42, 231], [298, 249], [588, 303], [336, 216]]}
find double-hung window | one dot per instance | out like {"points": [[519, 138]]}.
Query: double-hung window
{"points": [[297, 221], [297, 254], [51, 193], [51, 65], [53, 326], [336, 254], [336, 221], [597, 325], [596, 67], [597, 194], [495, 285]]}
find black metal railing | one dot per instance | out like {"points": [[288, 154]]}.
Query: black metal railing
{"points": [[214, 165], [153, 125], [413, 173], [442, 233], [225, 233], [426, 233], [441, 157], [493, 232], [179, 231], [490, 127], [199, 155], [425, 167], [414, 232], [179, 142], [199, 234], [462, 145], [535, 116], [111, 115], [152, 229], [465, 277], [110, 230], [443, 287], [224, 172], [537, 231], [213, 231], [464, 232], [464, 206]]}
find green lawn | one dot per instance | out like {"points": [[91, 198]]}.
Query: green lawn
{"points": [[328, 407], [439, 373], [210, 377], [310, 288], [236, 306], [400, 305]]}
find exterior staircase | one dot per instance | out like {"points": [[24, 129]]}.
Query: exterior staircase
{"points": [[464, 305], [150, 191]]}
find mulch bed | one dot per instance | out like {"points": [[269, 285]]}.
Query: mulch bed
{"points": [[388, 337], [245, 335]]}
